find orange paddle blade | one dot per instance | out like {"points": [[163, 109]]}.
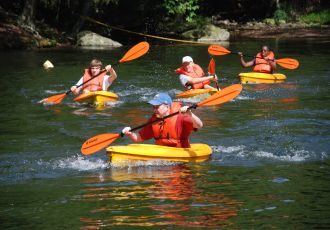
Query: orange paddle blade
{"points": [[288, 63], [217, 50], [136, 51], [56, 99], [98, 142], [222, 96], [212, 67]]}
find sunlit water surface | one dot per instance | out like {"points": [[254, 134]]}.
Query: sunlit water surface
{"points": [[269, 167]]}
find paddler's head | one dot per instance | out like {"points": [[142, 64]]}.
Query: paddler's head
{"points": [[187, 63], [161, 104], [265, 51], [95, 67]]}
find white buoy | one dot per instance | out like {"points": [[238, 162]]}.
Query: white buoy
{"points": [[48, 65]]}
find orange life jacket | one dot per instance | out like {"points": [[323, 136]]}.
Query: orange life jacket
{"points": [[165, 132], [198, 72], [261, 65], [93, 85]]}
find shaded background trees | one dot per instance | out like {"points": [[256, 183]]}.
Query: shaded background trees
{"points": [[150, 16]]}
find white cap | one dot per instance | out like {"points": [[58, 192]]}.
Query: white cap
{"points": [[187, 59]]}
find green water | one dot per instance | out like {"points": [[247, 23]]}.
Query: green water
{"points": [[270, 165]]}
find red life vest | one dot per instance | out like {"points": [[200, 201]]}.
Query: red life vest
{"points": [[166, 131], [198, 72], [261, 65], [93, 85]]}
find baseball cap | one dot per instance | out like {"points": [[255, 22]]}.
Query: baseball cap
{"points": [[187, 59], [161, 98]]}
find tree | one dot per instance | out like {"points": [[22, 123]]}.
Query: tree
{"points": [[186, 10], [87, 4], [26, 19]]}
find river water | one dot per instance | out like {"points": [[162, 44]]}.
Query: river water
{"points": [[270, 166]]}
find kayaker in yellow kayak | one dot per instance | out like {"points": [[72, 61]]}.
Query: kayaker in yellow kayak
{"points": [[263, 62], [101, 82], [173, 131], [192, 75]]}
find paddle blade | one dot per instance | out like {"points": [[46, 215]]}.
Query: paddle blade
{"points": [[288, 63], [98, 142], [212, 67], [56, 99], [136, 51], [218, 50], [222, 96]]}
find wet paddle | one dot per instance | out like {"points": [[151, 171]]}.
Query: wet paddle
{"points": [[101, 141], [212, 71], [288, 63], [135, 52]]}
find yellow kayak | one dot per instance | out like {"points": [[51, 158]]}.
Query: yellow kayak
{"points": [[254, 78], [195, 92], [97, 98], [121, 155]]}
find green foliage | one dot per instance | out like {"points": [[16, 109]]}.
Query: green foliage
{"points": [[280, 15], [201, 22], [322, 17], [186, 9]]}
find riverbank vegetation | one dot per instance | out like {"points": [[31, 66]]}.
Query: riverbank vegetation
{"points": [[43, 23]]}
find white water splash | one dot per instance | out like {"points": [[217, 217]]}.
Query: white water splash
{"points": [[80, 163], [53, 91], [242, 152], [143, 92], [297, 156], [244, 98], [231, 149]]}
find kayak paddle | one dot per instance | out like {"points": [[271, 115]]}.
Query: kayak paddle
{"points": [[288, 63], [101, 141], [135, 52], [212, 71]]}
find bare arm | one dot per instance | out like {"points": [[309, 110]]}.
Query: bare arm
{"points": [[135, 137], [74, 88], [243, 63], [113, 74], [197, 122], [192, 80]]}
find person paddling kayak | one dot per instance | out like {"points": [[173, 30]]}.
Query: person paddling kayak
{"points": [[173, 131], [264, 61], [101, 82], [192, 75]]}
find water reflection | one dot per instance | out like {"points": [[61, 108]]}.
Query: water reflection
{"points": [[263, 87], [154, 196]]}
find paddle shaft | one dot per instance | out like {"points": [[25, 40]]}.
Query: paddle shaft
{"points": [[216, 82], [194, 106], [249, 55], [256, 57]]}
